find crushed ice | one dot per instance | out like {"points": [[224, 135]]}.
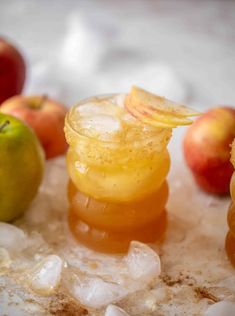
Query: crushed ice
{"points": [[95, 292], [46, 276], [143, 263], [114, 277]]}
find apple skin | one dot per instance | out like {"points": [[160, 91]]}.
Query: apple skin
{"points": [[21, 167], [45, 116], [207, 146], [12, 70]]}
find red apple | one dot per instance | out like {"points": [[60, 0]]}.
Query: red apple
{"points": [[12, 70], [207, 146], [46, 116]]}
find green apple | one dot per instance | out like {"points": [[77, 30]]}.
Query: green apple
{"points": [[21, 167]]}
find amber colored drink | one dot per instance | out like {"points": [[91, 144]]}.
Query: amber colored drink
{"points": [[230, 238], [118, 167]]}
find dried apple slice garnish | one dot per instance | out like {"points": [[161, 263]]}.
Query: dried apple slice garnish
{"points": [[144, 117], [157, 111], [158, 117]]}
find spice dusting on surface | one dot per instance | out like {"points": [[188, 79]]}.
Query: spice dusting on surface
{"points": [[203, 292], [63, 305]]}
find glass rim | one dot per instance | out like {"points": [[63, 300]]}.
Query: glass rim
{"points": [[68, 124]]}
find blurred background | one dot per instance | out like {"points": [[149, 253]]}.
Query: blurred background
{"points": [[76, 48]]}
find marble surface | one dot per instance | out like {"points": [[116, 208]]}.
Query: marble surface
{"points": [[181, 49]]}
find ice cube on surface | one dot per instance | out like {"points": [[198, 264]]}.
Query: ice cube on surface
{"points": [[95, 292], [143, 263], [113, 310], [223, 308], [12, 238], [47, 274]]}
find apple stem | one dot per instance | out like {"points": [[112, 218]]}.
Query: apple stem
{"points": [[42, 100], [7, 122]]}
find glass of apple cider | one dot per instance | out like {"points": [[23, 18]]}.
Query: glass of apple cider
{"points": [[230, 237], [117, 167]]}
